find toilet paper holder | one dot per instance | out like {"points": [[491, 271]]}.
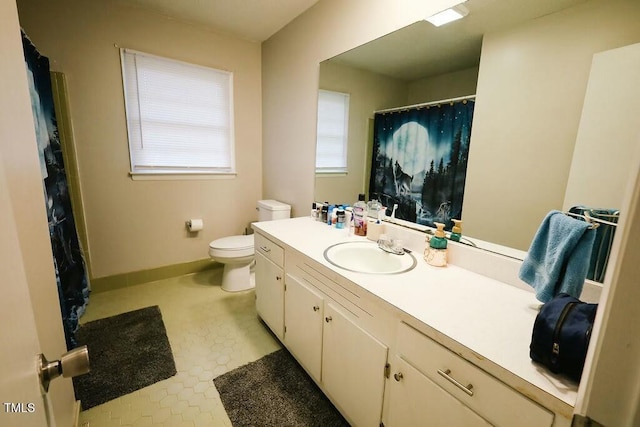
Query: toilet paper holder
{"points": [[194, 225]]}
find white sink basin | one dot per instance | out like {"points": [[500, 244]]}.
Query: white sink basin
{"points": [[367, 257]]}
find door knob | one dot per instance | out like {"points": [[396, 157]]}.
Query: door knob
{"points": [[71, 364], [398, 376], [328, 319], [316, 308]]}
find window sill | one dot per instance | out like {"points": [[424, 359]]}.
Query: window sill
{"points": [[331, 174], [180, 176]]}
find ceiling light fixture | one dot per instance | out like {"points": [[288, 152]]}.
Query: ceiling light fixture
{"points": [[448, 15]]}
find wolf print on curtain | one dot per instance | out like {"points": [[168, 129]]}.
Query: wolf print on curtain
{"points": [[71, 279], [420, 160]]}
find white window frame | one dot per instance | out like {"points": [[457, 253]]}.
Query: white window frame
{"points": [[332, 134], [195, 142]]}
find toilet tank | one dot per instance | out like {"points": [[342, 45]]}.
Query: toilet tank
{"points": [[269, 210]]}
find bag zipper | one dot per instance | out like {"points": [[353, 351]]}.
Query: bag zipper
{"points": [[555, 350]]}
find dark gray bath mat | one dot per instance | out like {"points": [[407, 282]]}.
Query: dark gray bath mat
{"points": [[126, 353], [275, 391]]}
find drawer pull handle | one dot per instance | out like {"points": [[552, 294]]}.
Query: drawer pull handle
{"points": [[316, 308], [398, 376], [265, 249], [467, 389], [328, 319]]}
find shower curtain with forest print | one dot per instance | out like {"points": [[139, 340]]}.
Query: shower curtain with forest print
{"points": [[419, 161], [73, 289]]}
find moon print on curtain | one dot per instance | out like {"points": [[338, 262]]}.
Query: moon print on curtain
{"points": [[419, 161], [71, 278]]}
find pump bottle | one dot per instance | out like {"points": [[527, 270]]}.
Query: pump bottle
{"points": [[436, 251]]}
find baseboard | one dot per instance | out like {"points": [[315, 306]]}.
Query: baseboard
{"points": [[76, 415], [118, 281]]}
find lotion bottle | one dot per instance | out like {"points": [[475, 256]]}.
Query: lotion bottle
{"points": [[360, 216], [436, 252]]}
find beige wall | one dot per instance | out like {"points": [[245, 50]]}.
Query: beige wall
{"points": [[290, 65], [531, 87], [21, 172], [606, 137], [368, 92], [445, 86], [138, 225]]}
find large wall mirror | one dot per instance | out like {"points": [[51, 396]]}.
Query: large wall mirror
{"points": [[529, 65]]}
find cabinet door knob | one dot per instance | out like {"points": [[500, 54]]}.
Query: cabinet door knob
{"points": [[278, 278], [316, 308], [398, 376], [328, 319]]}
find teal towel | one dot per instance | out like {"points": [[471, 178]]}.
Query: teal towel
{"points": [[558, 259]]}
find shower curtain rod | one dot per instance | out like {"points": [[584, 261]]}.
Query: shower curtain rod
{"points": [[426, 104]]}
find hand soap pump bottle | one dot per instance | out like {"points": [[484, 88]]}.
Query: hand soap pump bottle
{"points": [[456, 231], [436, 253]]}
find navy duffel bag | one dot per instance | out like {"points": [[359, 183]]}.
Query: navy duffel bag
{"points": [[561, 335]]}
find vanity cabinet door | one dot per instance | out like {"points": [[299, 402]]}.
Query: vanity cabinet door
{"points": [[303, 316], [270, 294], [415, 400], [352, 368]]}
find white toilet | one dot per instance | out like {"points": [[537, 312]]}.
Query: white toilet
{"points": [[236, 253]]}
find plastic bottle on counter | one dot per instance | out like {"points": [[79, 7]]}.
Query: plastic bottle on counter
{"points": [[324, 211], [436, 251], [360, 216], [340, 218]]}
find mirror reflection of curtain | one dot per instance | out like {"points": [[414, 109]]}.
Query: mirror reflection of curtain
{"points": [[72, 282], [419, 160]]}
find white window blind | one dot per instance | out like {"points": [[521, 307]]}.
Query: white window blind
{"points": [[332, 138], [179, 116]]}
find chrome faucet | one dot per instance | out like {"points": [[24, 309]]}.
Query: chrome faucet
{"points": [[393, 246]]}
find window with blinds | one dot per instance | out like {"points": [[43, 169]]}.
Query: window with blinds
{"points": [[332, 138], [179, 116]]}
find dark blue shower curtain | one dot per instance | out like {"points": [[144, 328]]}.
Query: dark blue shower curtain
{"points": [[73, 289], [419, 160]]}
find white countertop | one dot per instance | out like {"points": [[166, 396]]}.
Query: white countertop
{"points": [[492, 319]]}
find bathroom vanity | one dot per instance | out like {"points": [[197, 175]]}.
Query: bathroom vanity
{"points": [[436, 346]]}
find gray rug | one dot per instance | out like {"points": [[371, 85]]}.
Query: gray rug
{"points": [[275, 391], [126, 353]]}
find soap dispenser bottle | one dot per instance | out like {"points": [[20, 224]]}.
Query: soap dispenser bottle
{"points": [[456, 231], [436, 252]]}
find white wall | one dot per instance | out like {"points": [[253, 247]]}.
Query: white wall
{"points": [[290, 69], [606, 136], [368, 92], [140, 225], [531, 87]]}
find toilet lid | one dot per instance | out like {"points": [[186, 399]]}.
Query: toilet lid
{"points": [[233, 243]]}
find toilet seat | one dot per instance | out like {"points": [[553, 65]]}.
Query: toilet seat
{"points": [[232, 247]]}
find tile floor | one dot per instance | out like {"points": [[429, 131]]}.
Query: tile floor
{"points": [[210, 332]]}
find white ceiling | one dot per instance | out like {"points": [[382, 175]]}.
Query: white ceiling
{"points": [[254, 20]]}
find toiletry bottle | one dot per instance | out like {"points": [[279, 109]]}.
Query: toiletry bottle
{"points": [[314, 211], [436, 253], [456, 231], [328, 219], [324, 211], [360, 216], [331, 220], [340, 218]]}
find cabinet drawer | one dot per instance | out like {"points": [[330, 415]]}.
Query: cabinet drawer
{"points": [[269, 249], [486, 395]]}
